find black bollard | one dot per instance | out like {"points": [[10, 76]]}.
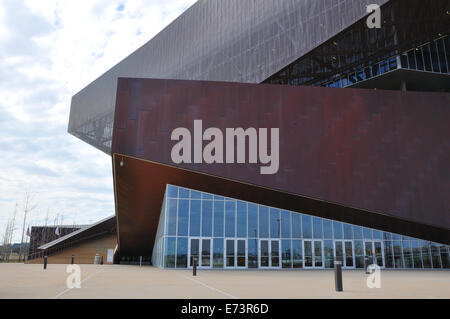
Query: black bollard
{"points": [[194, 268], [101, 261], [73, 258], [45, 262], [338, 275]]}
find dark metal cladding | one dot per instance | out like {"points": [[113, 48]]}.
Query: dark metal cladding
{"points": [[219, 40], [381, 156]]}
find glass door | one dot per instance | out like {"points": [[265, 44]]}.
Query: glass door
{"points": [[241, 253], [205, 260], [264, 253], [343, 251], [313, 253], [269, 253], [275, 256], [194, 252], [230, 248], [374, 249]]}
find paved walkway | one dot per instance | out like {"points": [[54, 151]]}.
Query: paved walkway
{"points": [[121, 281]]}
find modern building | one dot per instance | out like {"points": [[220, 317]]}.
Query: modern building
{"points": [[364, 142]]}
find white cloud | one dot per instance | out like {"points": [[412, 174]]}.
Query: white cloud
{"points": [[49, 50]]}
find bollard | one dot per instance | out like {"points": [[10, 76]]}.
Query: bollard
{"points": [[45, 262], [194, 268], [101, 261], [338, 275], [140, 261], [73, 258]]}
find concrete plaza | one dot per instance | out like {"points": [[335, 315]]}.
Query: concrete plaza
{"points": [[122, 281]]}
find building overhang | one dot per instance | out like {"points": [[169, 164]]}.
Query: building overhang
{"points": [[370, 158]]}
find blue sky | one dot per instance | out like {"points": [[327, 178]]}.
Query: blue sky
{"points": [[50, 50]]}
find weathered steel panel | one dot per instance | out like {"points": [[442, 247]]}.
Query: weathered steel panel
{"points": [[385, 153]]}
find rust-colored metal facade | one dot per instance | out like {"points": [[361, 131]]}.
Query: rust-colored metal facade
{"points": [[372, 158]]}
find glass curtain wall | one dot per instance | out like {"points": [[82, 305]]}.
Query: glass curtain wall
{"points": [[219, 232]]}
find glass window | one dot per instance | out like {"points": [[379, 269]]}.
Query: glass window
{"points": [[357, 232], [419, 59], [393, 63], [253, 253], [285, 224], [172, 191], [426, 258], [412, 59], [383, 67], [241, 219], [344, 81], [359, 254], [387, 236], [183, 193], [263, 221], [427, 57], [441, 53], [297, 253], [172, 217], [368, 73], [445, 257], [337, 230], [329, 253], [306, 226], [435, 255], [218, 252], [376, 234], [218, 218], [286, 253], [367, 233], [194, 220], [169, 254], [434, 57], [196, 194], [275, 223], [183, 217], [206, 196], [398, 255], [252, 220], [417, 256], [296, 225], [389, 254], [230, 218], [407, 254], [317, 227], [182, 249], [404, 60], [327, 229], [375, 70], [348, 232], [207, 218], [217, 197], [396, 237]]}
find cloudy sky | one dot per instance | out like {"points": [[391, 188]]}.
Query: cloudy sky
{"points": [[50, 50]]}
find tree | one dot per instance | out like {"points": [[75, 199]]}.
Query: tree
{"points": [[28, 206], [9, 235]]}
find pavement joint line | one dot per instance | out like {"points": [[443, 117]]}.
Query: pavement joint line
{"points": [[69, 289], [212, 288]]}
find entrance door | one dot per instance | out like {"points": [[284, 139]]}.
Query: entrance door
{"points": [[230, 253], [343, 251], [194, 252], [205, 260], [374, 249], [313, 253], [200, 250], [269, 253]]}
